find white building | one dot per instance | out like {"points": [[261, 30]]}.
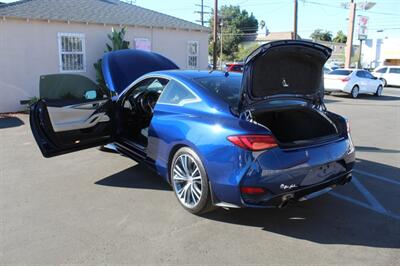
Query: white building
{"points": [[376, 52], [34, 35]]}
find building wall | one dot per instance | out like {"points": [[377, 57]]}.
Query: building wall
{"points": [[29, 49], [377, 52]]}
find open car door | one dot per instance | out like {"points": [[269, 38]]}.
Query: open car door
{"points": [[73, 114]]}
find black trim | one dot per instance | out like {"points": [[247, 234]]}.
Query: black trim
{"points": [[278, 200]]}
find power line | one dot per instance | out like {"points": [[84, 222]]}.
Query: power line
{"points": [[202, 12]]}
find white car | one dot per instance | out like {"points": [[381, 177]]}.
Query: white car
{"points": [[326, 69], [390, 75], [353, 82]]}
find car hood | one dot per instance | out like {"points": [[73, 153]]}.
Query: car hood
{"points": [[121, 68], [289, 68]]}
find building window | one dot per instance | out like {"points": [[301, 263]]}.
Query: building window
{"points": [[193, 55], [71, 50]]}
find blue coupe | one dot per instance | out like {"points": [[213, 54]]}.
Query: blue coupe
{"points": [[258, 139]]}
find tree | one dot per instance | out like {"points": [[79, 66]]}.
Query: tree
{"points": [[236, 24], [340, 37], [118, 42], [244, 51], [320, 35]]}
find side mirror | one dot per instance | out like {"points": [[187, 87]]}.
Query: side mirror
{"points": [[374, 77], [90, 95]]}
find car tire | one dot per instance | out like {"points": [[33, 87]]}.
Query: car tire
{"points": [[190, 182], [379, 91], [354, 92], [384, 82]]}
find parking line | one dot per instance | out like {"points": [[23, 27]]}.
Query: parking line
{"points": [[371, 199], [373, 205], [377, 177], [362, 204]]}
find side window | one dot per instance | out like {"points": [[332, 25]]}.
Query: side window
{"points": [[154, 84], [382, 70], [360, 74], [175, 93], [394, 70], [368, 75], [70, 87]]}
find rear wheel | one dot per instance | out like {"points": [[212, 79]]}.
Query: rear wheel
{"points": [[189, 181], [354, 92], [379, 91]]}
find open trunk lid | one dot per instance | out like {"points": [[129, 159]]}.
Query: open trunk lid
{"points": [[289, 68], [121, 68]]}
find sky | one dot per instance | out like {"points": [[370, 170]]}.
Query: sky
{"points": [[278, 14]]}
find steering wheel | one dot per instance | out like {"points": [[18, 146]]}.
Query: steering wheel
{"points": [[148, 100]]}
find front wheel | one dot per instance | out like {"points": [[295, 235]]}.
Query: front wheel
{"points": [[354, 92], [384, 82], [189, 181], [379, 91]]}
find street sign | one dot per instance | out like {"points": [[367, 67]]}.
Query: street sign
{"points": [[362, 27]]}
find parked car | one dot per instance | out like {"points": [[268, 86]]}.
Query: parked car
{"points": [[390, 75], [327, 69], [217, 140], [353, 82], [234, 67]]}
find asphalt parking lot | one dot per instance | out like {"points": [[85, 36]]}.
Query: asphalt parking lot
{"points": [[93, 207]]}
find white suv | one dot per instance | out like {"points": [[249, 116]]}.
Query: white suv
{"points": [[390, 75]]}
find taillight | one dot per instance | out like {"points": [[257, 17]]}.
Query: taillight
{"points": [[348, 126], [254, 142], [252, 190], [345, 79]]}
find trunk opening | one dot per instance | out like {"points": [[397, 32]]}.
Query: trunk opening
{"points": [[299, 126]]}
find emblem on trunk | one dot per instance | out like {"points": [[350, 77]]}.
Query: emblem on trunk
{"points": [[284, 187], [284, 83]]}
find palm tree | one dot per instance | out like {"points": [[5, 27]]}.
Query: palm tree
{"points": [[340, 37], [118, 42]]}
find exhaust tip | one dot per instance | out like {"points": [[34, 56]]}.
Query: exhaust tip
{"points": [[283, 204], [285, 200], [347, 179]]}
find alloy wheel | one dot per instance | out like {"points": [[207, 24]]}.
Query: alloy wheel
{"points": [[187, 180], [354, 92], [379, 91]]}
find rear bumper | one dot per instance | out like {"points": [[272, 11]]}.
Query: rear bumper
{"points": [[282, 173], [345, 89], [301, 194]]}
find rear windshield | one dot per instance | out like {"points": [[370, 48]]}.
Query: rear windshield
{"points": [[341, 72], [225, 88]]}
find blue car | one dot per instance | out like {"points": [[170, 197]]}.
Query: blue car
{"points": [[263, 138]]}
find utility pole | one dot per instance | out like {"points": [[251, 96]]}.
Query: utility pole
{"points": [[295, 20], [350, 32], [359, 55], [220, 54], [215, 34], [202, 12]]}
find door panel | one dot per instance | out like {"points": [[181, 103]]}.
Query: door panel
{"points": [[78, 116], [74, 113], [61, 127]]}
